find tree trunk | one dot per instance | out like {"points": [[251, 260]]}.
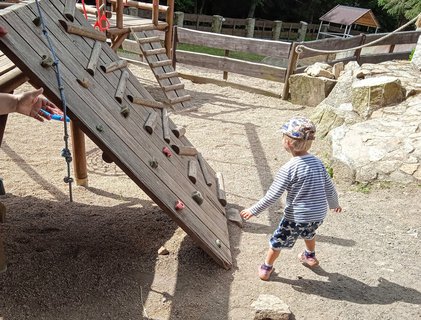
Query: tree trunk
{"points": [[252, 9]]}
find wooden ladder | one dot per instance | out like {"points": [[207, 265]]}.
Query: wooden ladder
{"points": [[161, 66]]}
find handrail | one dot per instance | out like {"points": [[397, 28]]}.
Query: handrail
{"points": [[141, 5]]}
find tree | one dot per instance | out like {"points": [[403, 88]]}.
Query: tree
{"points": [[253, 6], [401, 9]]}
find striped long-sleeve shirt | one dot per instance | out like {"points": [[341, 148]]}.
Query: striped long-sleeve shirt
{"points": [[309, 190]]}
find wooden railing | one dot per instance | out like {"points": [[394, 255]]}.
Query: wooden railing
{"points": [[360, 55], [286, 52]]}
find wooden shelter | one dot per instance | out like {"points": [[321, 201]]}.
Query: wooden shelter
{"points": [[345, 18], [107, 102]]}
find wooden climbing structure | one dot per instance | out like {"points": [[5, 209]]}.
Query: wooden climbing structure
{"points": [[161, 66], [106, 102]]}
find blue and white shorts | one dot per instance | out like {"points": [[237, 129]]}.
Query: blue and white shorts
{"points": [[288, 232]]}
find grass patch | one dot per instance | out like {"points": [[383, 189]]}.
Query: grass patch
{"points": [[220, 52], [363, 188]]}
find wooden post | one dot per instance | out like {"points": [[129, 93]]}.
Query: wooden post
{"points": [[94, 57], [302, 31], [119, 10], [323, 30], [292, 65], [276, 29], [220, 189], [3, 121], [169, 30], [179, 19], [69, 9], [250, 23], [226, 54], [217, 24], [121, 88], [155, 12], [357, 53], [79, 155]]}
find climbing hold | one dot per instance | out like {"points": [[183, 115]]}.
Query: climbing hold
{"points": [[218, 243], [99, 127], [125, 111], [179, 205], [197, 196], [47, 61], [167, 152], [37, 21], [153, 163], [84, 82], [3, 31]]}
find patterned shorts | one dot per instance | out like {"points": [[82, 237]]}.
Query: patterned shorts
{"points": [[288, 232]]}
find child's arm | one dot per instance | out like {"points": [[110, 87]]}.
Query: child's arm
{"points": [[331, 194], [274, 193]]}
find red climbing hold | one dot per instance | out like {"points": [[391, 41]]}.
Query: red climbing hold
{"points": [[179, 205], [3, 31], [167, 151]]}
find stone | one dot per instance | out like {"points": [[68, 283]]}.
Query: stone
{"points": [[233, 215], [371, 94], [269, 307], [309, 91], [337, 69], [163, 251], [320, 70]]}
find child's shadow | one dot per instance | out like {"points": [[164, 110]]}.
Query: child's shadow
{"points": [[341, 287]]}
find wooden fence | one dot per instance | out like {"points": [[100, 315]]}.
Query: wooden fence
{"points": [[229, 43], [396, 46], [253, 28]]}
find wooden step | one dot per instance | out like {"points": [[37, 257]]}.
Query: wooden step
{"points": [[167, 75], [148, 27], [147, 103], [177, 86], [154, 51], [162, 63], [148, 40], [179, 99]]}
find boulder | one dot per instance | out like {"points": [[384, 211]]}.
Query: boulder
{"points": [[309, 91], [320, 69], [269, 307], [371, 94]]}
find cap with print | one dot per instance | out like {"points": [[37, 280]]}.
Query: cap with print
{"points": [[299, 128]]}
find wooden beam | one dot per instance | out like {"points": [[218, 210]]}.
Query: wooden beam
{"points": [[121, 88], [146, 102], [94, 57], [151, 122], [115, 65], [165, 126], [83, 31], [118, 41], [79, 154], [69, 9], [141, 5], [220, 189], [184, 150]]}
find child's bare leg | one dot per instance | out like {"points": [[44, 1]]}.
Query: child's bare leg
{"points": [[271, 256], [310, 244]]}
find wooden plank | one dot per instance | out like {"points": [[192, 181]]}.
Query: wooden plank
{"points": [[176, 86], [172, 74], [136, 84], [251, 69], [138, 87], [328, 44], [34, 69], [232, 43], [166, 134], [406, 37], [377, 58]]}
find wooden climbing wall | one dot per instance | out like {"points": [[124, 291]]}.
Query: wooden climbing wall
{"points": [[133, 135]]}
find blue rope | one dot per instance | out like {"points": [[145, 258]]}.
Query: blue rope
{"points": [[65, 152]]}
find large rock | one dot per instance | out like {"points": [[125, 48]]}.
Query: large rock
{"points": [[308, 90], [387, 147], [269, 307], [320, 69], [371, 94], [334, 110]]}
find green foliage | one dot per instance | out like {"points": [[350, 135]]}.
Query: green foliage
{"points": [[220, 52], [399, 8], [184, 5], [411, 54], [363, 188]]}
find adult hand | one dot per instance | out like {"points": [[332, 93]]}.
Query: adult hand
{"points": [[30, 103]]}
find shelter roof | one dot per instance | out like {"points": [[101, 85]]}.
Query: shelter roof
{"points": [[351, 15]]}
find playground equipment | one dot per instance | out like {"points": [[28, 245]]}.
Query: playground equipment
{"points": [[106, 102]]}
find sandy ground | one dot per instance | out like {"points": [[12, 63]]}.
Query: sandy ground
{"points": [[97, 258]]}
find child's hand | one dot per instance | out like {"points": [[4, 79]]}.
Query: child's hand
{"points": [[337, 210], [246, 214]]}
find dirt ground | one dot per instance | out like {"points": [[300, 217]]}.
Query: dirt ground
{"points": [[97, 258]]}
